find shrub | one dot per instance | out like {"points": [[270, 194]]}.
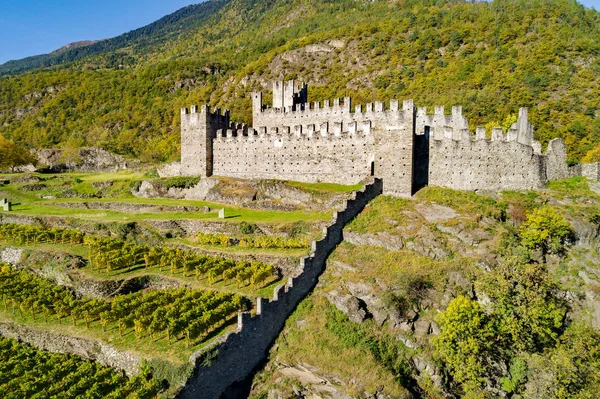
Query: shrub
{"points": [[181, 182], [247, 228], [466, 341], [518, 375], [595, 218], [545, 229]]}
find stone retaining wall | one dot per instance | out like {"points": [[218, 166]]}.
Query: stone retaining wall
{"points": [[97, 351]]}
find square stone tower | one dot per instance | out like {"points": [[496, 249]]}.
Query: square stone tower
{"points": [[285, 96], [198, 129], [394, 141]]}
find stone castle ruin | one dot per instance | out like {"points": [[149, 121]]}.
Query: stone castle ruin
{"points": [[401, 144]]}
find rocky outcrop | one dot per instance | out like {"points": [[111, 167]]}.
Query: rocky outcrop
{"points": [[93, 159], [434, 213], [314, 384], [385, 240], [201, 190], [349, 305], [97, 351], [253, 194], [11, 256], [169, 170], [156, 189], [585, 234]]}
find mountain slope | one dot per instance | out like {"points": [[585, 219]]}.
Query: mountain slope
{"points": [[446, 296], [491, 58], [139, 40]]}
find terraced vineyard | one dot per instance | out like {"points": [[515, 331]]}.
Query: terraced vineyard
{"points": [[86, 257], [172, 314], [30, 373]]}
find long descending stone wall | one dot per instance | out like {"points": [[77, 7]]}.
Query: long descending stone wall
{"points": [[241, 352]]}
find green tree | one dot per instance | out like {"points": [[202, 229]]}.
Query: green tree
{"points": [[570, 370], [12, 155], [466, 342], [528, 316], [545, 229]]}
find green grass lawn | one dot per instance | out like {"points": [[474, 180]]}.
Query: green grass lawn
{"points": [[28, 203], [323, 188], [233, 214]]}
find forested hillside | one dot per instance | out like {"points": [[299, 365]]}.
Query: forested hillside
{"points": [[140, 40], [492, 58]]}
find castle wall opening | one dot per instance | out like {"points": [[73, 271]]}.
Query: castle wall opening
{"points": [[421, 160]]}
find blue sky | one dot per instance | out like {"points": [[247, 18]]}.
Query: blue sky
{"points": [[31, 27], [591, 3]]}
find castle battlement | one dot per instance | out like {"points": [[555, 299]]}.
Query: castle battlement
{"points": [[337, 106], [336, 131], [338, 110], [407, 147]]}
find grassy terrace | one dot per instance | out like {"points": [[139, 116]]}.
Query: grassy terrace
{"points": [[81, 184], [28, 204], [264, 290]]}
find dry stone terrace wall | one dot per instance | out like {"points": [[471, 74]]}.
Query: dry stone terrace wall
{"points": [[104, 354], [241, 352]]}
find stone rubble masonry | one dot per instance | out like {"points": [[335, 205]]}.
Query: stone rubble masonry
{"points": [[398, 142], [241, 352]]}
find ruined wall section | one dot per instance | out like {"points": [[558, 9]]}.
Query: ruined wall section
{"points": [[286, 97], [198, 129], [556, 161], [476, 163], [337, 154], [439, 120], [456, 125], [591, 171], [241, 352]]}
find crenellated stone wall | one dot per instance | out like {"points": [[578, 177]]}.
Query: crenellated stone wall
{"points": [[406, 147], [198, 129], [468, 164], [307, 155]]}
